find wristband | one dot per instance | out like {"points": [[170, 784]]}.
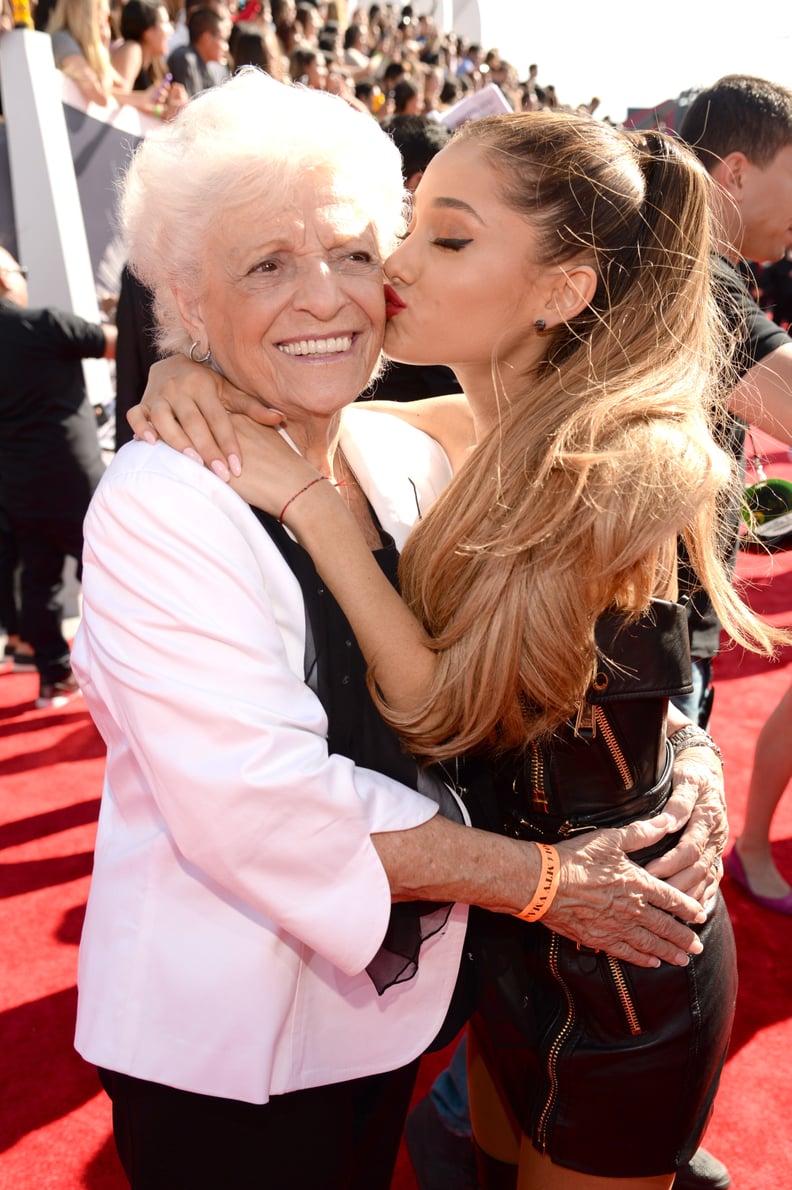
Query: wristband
{"points": [[546, 889], [693, 736]]}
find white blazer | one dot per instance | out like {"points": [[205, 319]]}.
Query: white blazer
{"points": [[236, 896]]}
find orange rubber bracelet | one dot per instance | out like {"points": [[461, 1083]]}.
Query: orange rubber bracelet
{"points": [[547, 887]]}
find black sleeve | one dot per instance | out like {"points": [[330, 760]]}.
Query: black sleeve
{"points": [[67, 336], [135, 350], [757, 334], [179, 67]]}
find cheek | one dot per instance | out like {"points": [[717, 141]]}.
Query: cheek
{"points": [[370, 299]]}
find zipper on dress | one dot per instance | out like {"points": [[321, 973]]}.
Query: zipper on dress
{"points": [[554, 1053], [588, 719], [625, 999], [538, 794]]}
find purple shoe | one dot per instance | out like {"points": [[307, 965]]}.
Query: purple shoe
{"points": [[733, 865]]}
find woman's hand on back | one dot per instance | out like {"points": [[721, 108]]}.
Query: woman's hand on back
{"points": [[607, 902], [187, 405], [698, 803]]}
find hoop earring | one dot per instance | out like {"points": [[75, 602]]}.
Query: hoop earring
{"points": [[200, 359], [540, 326]]}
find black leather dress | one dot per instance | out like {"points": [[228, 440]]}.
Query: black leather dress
{"points": [[610, 1068]]}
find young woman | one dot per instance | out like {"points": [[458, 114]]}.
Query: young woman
{"points": [[560, 267], [80, 31], [140, 57]]}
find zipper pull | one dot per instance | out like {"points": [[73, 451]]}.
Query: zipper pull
{"points": [[586, 721]]}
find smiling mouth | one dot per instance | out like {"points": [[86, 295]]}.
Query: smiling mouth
{"points": [[336, 346]]}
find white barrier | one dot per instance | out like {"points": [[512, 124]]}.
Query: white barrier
{"points": [[52, 136]]}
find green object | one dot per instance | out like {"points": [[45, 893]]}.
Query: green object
{"points": [[767, 513]]}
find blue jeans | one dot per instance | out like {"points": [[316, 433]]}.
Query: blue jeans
{"points": [[449, 1093], [698, 704]]}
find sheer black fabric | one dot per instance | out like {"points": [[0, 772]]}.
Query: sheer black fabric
{"points": [[336, 671]]}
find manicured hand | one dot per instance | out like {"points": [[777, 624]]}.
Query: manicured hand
{"points": [[187, 405]]}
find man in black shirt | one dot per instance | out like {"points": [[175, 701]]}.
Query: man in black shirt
{"points": [[209, 27], [741, 130], [50, 462]]}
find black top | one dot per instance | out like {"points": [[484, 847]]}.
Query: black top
{"points": [[335, 670], [188, 68], [136, 349], [412, 382], [758, 335], [50, 460]]}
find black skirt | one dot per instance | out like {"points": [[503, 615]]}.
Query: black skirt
{"points": [[609, 1068]]}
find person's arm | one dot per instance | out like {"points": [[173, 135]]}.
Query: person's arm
{"points": [[198, 666], [764, 395], [110, 333], [280, 481], [76, 67], [163, 100], [401, 659], [604, 900], [188, 404], [189, 666], [182, 417], [127, 61]]}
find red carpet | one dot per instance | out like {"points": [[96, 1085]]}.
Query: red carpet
{"points": [[54, 1122]]}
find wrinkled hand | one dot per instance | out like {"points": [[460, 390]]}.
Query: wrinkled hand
{"points": [[699, 800], [607, 902], [186, 405], [274, 471]]}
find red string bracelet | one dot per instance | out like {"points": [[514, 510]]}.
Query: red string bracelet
{"points": [[291, 499]]}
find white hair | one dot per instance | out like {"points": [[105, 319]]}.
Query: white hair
{"points": [[245, 142]]}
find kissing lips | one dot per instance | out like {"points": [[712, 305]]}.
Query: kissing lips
{"points": [[393, 303]]}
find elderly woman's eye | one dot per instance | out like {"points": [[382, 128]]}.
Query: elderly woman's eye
{"points": [[265, 266]]}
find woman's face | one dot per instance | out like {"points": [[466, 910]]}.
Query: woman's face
{"points": [[157, 37], [466, 272], [292, 302], [316, 73]]}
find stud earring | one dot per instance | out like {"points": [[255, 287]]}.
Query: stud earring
{"points": [[200, 359], [540, 326]]}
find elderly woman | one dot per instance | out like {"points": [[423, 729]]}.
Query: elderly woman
{"points": [[253, 996]]}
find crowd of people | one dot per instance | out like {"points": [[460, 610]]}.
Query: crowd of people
{"points": [[307, 790], [382, 57]]}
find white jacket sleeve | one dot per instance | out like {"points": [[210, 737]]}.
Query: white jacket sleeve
{"points": [[190, 656]]}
